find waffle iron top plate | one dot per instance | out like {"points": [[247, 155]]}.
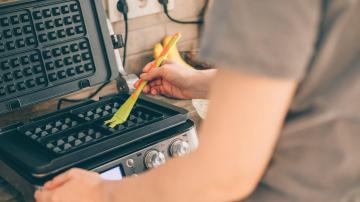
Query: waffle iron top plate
{"points": [[47, 50]]}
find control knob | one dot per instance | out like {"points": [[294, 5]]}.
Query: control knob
{"points": [[179, 148], [154, 159]]}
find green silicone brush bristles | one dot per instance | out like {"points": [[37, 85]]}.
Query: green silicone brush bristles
{"points": [[123, 113]]}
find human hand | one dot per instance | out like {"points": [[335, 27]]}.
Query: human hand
{"points": [[174, 80], [75, 185]]}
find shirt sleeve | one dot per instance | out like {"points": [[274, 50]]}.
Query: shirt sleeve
{"points": [[273, 38]]}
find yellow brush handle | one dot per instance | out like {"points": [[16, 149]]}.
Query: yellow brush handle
{"points": [[164, 54]]}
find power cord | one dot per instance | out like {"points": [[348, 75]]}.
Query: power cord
{"points": [[165, 3], [124, 9], [61, 100], [203, 10]]}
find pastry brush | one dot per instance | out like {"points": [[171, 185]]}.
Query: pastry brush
{"points": [[124, 111]]}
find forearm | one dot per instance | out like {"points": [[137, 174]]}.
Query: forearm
{"points": [[201, 83], [236, 143]]}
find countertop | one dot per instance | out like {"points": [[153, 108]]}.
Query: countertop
{"points": [[8, 193]]}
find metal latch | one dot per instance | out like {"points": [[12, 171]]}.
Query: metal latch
{"points": [[117, 41]]}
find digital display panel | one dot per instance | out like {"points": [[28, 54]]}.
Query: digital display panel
{"points": [[112, 174]]}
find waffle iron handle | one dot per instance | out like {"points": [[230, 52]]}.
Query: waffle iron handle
{"points": [[117, 41]]}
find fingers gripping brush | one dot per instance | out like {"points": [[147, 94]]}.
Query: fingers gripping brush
{"points": [[123, 113]]}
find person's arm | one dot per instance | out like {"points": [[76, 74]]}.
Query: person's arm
{"points": [[236, 142]]}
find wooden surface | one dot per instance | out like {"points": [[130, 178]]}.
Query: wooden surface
{"points": [[9, 194]]}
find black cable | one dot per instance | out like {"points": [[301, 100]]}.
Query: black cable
{"points": [[164, 3], [126, 38], [179, 21], [203, 10], [61, 100], [123, 8]]}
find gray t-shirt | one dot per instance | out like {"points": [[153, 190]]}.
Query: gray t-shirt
{"points": [[316, 42]]}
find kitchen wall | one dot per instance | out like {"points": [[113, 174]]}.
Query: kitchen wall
{"points": [[148, 30]]}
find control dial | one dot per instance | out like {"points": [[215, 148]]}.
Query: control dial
{"points": [[179, 148], [154, 159]]}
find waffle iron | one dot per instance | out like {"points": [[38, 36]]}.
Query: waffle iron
{"points": [[51, 48]]}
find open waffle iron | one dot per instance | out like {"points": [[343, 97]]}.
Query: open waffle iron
{"points": [[50, 48]]}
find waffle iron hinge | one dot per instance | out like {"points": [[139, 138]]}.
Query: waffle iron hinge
{"points": [[84, 83], [118, 42]]}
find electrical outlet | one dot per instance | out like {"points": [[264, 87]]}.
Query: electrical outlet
{"points": [[137, 8]]}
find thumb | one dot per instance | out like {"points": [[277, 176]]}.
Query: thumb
{"points": [[148, 67], [58, 181], [43, 195], [155, 73]]}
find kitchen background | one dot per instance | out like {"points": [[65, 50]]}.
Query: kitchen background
{"points": [[144, 33]]}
